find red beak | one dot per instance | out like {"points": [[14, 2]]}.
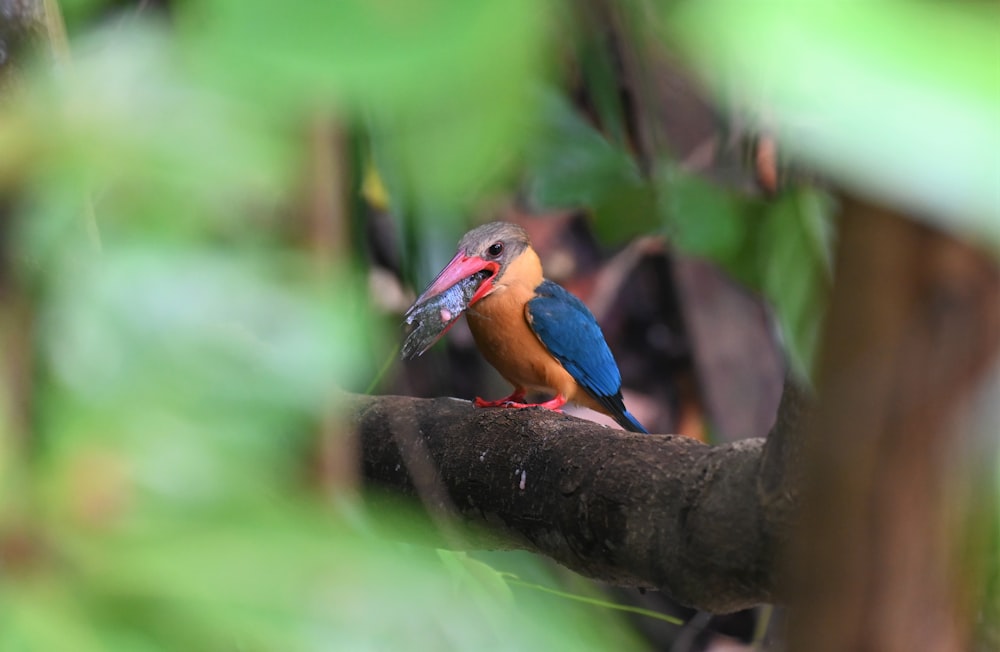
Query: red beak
{"points": [[460, 267]]}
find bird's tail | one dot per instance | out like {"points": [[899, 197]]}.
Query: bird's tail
{"points": [[614, 407], [629, 422]]}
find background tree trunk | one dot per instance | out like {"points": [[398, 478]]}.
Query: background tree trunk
{"points": [[914, 324]]}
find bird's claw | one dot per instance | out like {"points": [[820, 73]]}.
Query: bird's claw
{"points": [[516, 401], [503, 402]]}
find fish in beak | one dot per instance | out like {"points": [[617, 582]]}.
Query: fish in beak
{"points": [[465, 280]]}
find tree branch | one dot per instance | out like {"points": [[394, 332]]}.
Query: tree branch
{"points": [[700, 523]]}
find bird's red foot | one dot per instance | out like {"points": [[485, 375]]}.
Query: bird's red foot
{"points": [[516, 399]]}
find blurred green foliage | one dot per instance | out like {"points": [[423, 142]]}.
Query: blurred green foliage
{"points": [[182, 349], [426, 73], [896, 100], [574, 164], [779, 247]]}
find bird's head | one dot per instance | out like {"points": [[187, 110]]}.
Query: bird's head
{"points": [[489, 248]]}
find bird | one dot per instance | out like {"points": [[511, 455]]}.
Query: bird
{"points": [[535, 333]]}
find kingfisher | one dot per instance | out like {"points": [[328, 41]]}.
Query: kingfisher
{"points": [[534, 332]]}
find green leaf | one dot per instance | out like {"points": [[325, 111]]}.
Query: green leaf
{"points": [[781, 248], [127, 130], [794, 255], [895, 100], [482, 577], [428, 76], [574, 165], [597, 602], [38, 616], [356, 51], [294, 579], [191, 366], [701, 218]]}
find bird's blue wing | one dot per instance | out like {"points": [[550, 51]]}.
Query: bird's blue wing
{"points": [[571, 334], [569, 331]]}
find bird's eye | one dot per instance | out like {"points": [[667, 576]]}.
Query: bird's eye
{"points": [[495, 249]]}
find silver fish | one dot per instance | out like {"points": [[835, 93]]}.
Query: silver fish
{"points": [[436, 315]]}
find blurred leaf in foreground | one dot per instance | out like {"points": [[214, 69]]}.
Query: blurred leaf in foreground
{"points": [[897, 100], [267, 580], [425, 75], [152, 347], [184, 358], [126, 126]]}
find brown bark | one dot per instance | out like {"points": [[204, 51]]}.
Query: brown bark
{"points": [[914, 323], [22, 27], [654, 511]]}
